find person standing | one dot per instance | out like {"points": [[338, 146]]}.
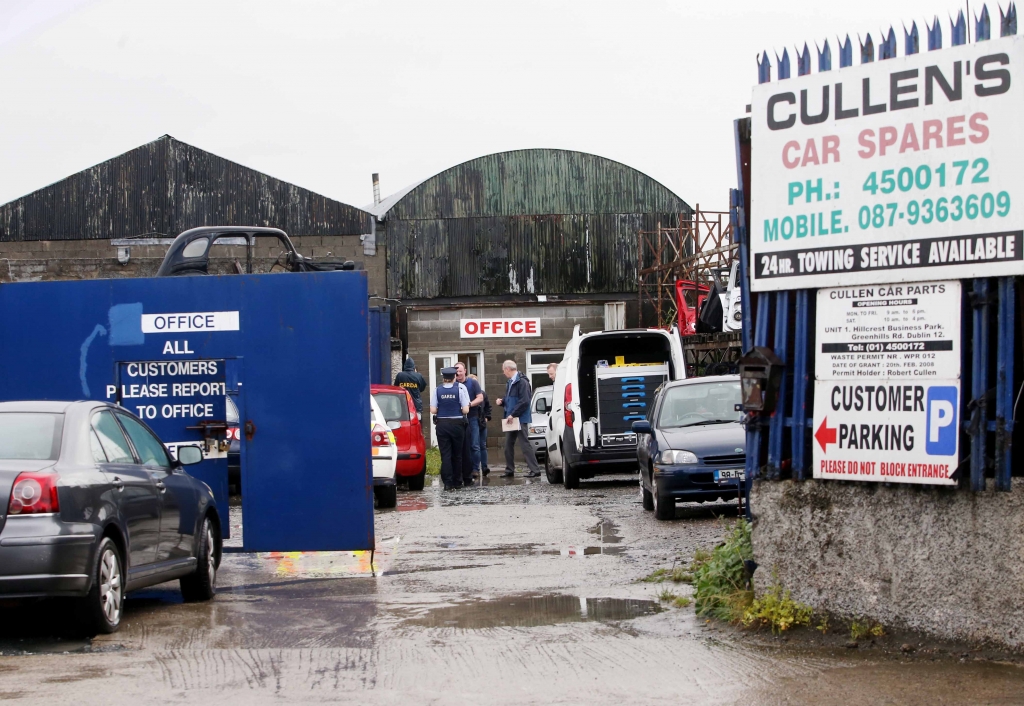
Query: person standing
{"points": [[471, 443], [412, 381], [516, 403], [485, 417], [449, 403]]}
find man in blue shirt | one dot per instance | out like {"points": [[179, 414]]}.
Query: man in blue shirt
{"points": [[518, 396], [449, 403], [471, 444]]}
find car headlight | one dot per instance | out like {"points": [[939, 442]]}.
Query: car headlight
{"points": [[675, 457], [538, 430]]}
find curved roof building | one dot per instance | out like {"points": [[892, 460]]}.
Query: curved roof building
{"points": [[525, 222]]}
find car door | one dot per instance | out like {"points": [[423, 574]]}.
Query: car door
{"points": [[135, 492], [175, 487]]}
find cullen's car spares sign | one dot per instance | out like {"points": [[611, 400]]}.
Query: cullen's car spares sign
{"points": [[898, 170], [887, 383]]}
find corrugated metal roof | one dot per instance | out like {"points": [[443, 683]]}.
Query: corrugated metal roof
{"points": [[166, 187], [532, 182], [523, 222]]}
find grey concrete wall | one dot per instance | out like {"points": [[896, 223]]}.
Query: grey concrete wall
{"points": [[944, 561], [89, 259], [437, 330]]}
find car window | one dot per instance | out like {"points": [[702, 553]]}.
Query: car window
{"points": [[98, 455], [699, 402], [112, 438], [30, 435], [150, 449], [196, 248], [394, 407]]}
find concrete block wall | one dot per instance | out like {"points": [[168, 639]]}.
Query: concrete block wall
{"points": [[943, 561], [91, 259], [437, 330]]}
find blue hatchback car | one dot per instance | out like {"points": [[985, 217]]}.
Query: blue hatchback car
{"points": [[691, 447]]}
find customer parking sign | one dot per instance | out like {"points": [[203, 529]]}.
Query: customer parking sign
{"points": [[887, 383]]}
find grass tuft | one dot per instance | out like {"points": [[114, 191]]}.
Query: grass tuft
{"points": [[775, 609], [721, 584], [433, 461]]}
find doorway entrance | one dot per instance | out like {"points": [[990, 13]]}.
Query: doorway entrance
{"points": [[474, 362]]}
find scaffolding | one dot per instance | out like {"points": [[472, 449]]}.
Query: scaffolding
{"points": [[697, 249]]}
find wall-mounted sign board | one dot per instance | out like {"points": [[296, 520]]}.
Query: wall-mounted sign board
{"points": [[499, 328], [887, 383], [893, 171]]}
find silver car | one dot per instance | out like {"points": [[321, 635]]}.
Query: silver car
{"points": [[96, 507]]}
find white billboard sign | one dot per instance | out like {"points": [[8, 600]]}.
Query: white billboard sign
{"points": [[887, 383], [899, 170]]}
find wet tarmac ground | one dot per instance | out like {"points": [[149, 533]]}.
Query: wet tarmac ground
{"points": [[516, 592]]}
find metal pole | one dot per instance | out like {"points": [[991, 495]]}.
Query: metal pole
{"points": [[979, 383], [801, 349], [776, 426], [1004, 384]]}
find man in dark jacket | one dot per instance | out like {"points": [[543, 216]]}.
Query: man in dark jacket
{"points": [[485, 416], [413, 382], [517, 399]]}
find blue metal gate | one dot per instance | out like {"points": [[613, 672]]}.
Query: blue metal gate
{"points": [[172, 350]]}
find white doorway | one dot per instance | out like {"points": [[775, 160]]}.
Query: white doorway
{"points": [[474, 362]]}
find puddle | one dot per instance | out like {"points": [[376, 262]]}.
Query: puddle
{"points": [[608, 531], [532, 610]]}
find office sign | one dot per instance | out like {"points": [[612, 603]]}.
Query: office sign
{"points": [[894, 171], [499, 328], [887, 383]]}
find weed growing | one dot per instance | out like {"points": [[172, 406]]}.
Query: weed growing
{"points": [[433, 461], [775, 609], [860, 629], [656, 576], [721, 583], [667, 596]]}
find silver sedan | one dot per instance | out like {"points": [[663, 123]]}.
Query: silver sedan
{"points": [[96, 507]]}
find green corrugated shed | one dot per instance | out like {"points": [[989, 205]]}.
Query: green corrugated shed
{"points": [[536, 221]]}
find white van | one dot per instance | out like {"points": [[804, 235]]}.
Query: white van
{"points": [[606, 380]]}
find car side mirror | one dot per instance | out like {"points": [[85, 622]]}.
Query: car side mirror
{"points": [[189, 455], [394, 424], [542, 406], [642, 426]]}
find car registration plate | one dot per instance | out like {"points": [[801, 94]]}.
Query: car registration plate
{"points": [[730, 474]]}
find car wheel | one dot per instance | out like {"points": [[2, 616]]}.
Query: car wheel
{"points": [[570, 476], [554, 475], [664, 507], [200, 585], [646, 497], [387, 496], [104, 604], [417, 481]]}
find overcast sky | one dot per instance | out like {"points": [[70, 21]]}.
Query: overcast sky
{"points": [[322, 94]]}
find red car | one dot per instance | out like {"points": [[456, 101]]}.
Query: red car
{"points": [[400, 412]]}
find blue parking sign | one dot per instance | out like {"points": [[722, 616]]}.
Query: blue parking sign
{"points": [[942, 424]]}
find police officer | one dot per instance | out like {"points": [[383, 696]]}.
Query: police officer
{"points": [[449, 403]]}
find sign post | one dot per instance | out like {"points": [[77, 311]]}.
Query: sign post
{"points": [[887, 383]]}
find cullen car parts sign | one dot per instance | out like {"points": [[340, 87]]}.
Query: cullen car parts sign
{"points": [[499, 328], [898, 170], [887, 383]]}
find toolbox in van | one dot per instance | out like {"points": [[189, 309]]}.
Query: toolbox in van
{"points": [[624, 394]]}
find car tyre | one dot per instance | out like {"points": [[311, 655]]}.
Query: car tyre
{"points": [[387, 496], [646, 497], [664, 506], [103, 606], [554, 474], [201, 584], [417, 481], [570, 476]]}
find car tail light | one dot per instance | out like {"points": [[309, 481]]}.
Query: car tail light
{"points": [[412, 406], [569, 416], [34, 494], [379, 436]]}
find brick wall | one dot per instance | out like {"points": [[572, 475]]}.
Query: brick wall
{"points": [[437, 331], [92, 259]]}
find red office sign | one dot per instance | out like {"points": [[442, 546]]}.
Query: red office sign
{"points": [[499, 328]]}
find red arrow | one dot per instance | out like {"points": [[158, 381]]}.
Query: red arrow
{"points": [[825, 434]]}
